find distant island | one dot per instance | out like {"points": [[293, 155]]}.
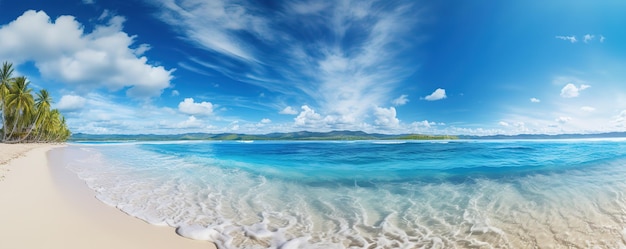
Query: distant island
{"points": [[546, 136], [301, 135], [324, 136]]}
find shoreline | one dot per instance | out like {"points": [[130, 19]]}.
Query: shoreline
{"points": [[45, 205]]}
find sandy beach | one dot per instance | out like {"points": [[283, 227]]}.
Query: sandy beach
{"points": [[44, 205]]}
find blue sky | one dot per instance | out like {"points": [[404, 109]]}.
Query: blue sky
{"points": [[434, 67]]}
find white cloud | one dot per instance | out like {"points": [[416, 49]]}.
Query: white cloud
{"points": [[436, 95], [588, 38], [308, 118], [191, 122], [289, 111], [535, 100], [89, 1], [402, 100], [620, 119], [417, 125], [502, 123], [386, 117], [602, 38], [175, 93], [572, 38], [141, 49], [215, 25], [587, 109], [266, 121], [63, 51], [570, 90], [563, 120], [188, 106], [70, 103], [345, 83], [234, 127]]}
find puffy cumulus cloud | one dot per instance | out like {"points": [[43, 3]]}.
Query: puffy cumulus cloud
{"points": [[570, 90], [386, 117], [308, 118], [191, 122], [189, 106], [255, 127], [513, 124], [535, 100], [436, 95], [424, 124], [510, 127], [233, 126], [588, 37], [63, 51], [69, 103], [402, 100], [289, 111]]}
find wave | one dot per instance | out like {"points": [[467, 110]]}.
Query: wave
{"points": [[210, 198]]}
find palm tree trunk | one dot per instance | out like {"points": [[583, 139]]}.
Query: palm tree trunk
{"points": [[4, 120], [31, 128], [38, 139]]}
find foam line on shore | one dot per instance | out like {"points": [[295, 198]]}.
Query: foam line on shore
{"points": [[45, 205]]}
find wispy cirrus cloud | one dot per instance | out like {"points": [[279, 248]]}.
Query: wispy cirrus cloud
{"points": [[587, 38], [345, 74], [571, 39], [402, 100], [215, 25]]}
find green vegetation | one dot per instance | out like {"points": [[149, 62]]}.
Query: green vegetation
{"points": [[425, 137], [289, 136], [27, 118]]}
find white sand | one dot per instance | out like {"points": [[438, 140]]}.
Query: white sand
{"points": [[46, 206]]}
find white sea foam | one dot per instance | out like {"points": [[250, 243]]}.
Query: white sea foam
{"points": [[389, 142], [236, 209]]}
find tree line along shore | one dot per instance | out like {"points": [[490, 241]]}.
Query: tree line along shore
{"points": [[28, 118]]}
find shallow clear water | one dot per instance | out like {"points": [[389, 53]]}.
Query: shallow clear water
{"points": [[369, 194]]}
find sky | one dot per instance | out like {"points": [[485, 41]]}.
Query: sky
{"points": [[394, 67]]}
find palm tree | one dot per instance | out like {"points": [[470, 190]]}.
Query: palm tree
{"points": [[20, 102], [52, 125], [62, 133], [25, 118], [5, 79], [43, 102]]}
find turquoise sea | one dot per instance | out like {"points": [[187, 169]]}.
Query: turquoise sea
{"points": [[368, 194]]}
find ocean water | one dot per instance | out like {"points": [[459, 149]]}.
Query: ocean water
{"points": [[368, 194]]}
